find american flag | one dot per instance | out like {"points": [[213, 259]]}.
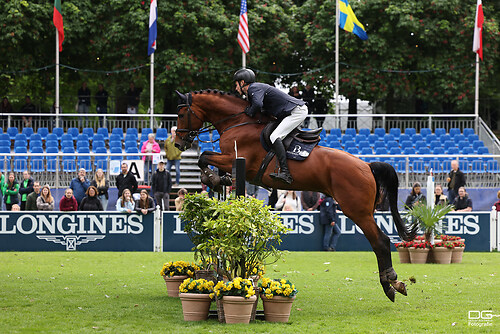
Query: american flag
{"points": [[243, 39]]}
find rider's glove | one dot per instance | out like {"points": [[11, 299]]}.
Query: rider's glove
{"points": [[248, 112]]}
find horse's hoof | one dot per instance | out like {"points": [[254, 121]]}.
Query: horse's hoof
{"points": [[400, 287], [226, 180], [391, 294], [206, 180]]}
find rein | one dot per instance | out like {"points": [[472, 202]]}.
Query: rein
{"points": [[193, 134]]}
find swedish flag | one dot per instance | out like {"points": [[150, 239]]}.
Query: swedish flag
{"points": [[349, 22]]}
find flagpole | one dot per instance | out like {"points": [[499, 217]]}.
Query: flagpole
{"points": [[337, 19], [151, 89], [57, 79], [243, 59], [476, 100]]}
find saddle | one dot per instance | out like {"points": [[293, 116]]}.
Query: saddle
{"points": [[298, 145]]}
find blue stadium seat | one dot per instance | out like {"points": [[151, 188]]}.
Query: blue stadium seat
{"points": [[381, 151], [388, 137], [352, 150], [366, 150], [335, 144], [322, 134], [410, 131], [380, 132], [478, 167], [130, 143], [34, 144], [346, 138], [98, 137], [82, 137], [21, 136], [400, 166], [350, 131], [438, 150], [418, 166], [420, 144], [436, 166], [5, 143], [463, 144], [58, 132], [472, 138], [363, 144], [117, 131], [115, 137], [52, 161], [372, 139], [20, 143], [98, 143], [440, 132], [133, 131], [67, 143], [51, 136], [452, 150], [323, 143], [403, 138], [417, 137], [28, 132], [132, 150], [115, 150], [492, 166], [434, 144], [144, 134], [331, 138], [162, 134], [430, 138], [364, 131], [74, 132], [392, 143], [115, 144], [425, 150], [66, 137], [425, 132], [483, 150], [459, 138], [4, 158], [4, 136], [131, 137], [104, 132], [52, 143], [43, 132], [464, 166], [454, 131], [89, 132], [406, 144], [379, 144], [84, 161], [82, 144], [36, 137], [448, 144], [336, 131], [408, 151], [360, 138], [101, 161], [477, 144], [396, 132], [37, 161], [468, 131], [394, 150], [20, 161], [446, 165], [68, 161], [444, 138], [349, 144], [468, 150]]}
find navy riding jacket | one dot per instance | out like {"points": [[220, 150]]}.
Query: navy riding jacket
{"points": [[271, 100]]}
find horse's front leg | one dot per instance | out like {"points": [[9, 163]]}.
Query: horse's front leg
{"points": [[209, 177]]}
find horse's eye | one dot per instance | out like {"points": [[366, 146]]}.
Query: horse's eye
{"points": [[181, 116]]}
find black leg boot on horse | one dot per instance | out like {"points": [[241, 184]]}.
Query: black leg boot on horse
{"points": [[284, 173]]}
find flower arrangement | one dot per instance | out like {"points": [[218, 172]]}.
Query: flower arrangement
{"points": [[277, 287], [445, 244], [201, 286], [458, 244], [420, 237], [242, 287], [178, 268], [422, 245], [449, 237], [404, 244]]}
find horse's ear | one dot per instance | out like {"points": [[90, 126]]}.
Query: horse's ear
{"points": [[182, 97]]}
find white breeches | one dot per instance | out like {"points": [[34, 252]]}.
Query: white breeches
{"points": [[299, 114]]}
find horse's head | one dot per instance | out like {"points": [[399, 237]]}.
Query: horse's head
{"points": [[188, 122]]}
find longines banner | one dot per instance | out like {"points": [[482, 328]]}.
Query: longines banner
{"points": [[59, 231], [307, 233]]}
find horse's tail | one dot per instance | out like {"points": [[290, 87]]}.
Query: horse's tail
{"points": [[387, 183]]}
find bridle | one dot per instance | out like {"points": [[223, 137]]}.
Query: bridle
{"points": [[193, 134]]}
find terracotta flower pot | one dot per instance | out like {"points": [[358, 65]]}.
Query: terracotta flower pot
{"points": [[195, 306], [404, 256], [238, 309], [173, 283], [456, 255], [278, 308], [442, 255], [418, 255]]}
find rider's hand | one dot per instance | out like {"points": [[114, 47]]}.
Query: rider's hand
{"points": [[247, 111]]}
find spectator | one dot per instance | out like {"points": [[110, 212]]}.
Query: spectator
{"points": [[11, 192], [68, 201], [289, 201], [145, 204], [132, 99], [295, 92], [252, 190], [173, 155], [310, 200], [273, 199], [328, 218], [31, 200], [456, 179], [90, 202], [16, 207], [126, 181], [439, 197], [25, 188], [83, 101], [179, 201], [101, 98], [462, 202], [149, 146], [26, 109], [125, 203], [415, 196], [308, 97], [102, 186], [45, 202], [161, 185], [5, 107], [79, 185], [497, 203], [2, 186]]}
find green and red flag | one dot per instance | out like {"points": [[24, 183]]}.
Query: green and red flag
{"points": [[58, 22]]}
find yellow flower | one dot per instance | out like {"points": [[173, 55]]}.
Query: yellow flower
{"points": [[211, 295], [171, 274], [268, 291], [283, 281], [269, 296]]}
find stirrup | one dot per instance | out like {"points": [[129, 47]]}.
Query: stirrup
{"points": [[286, 178]]}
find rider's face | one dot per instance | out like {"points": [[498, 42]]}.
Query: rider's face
{"points": [[239, 85]]}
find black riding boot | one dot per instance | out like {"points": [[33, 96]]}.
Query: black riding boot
{"points": [[284, 173]]}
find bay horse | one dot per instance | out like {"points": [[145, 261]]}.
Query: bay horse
{"points": [[355, 184]]}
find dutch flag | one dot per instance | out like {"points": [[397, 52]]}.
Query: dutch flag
{"points": [[152, 27]]}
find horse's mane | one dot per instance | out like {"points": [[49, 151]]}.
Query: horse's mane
{"points": [[216, 91]]}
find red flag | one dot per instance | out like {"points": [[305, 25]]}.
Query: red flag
{"points": [[477, 45], [58, 22]]}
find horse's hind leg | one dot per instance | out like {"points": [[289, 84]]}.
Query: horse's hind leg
{"points": [[381, 246], [208, 176]]}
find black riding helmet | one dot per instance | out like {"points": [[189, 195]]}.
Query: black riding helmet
{"points": [[244, 74]]}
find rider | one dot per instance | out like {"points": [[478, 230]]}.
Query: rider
{"points": [[290, 111]]}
